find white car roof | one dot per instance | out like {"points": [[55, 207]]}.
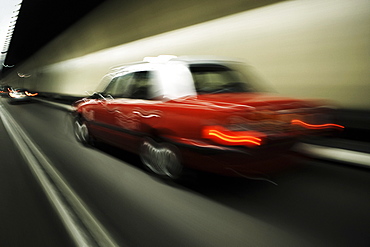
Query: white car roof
{"points": [[172, 73]]}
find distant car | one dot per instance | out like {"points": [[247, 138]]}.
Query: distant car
{"points": [[179, 113], [4, 91], [20, 94]]}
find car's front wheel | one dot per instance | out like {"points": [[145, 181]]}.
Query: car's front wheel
{"points": [[163, 159], [81, 132]]}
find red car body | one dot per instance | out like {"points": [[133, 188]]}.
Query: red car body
{"points": [[204, 117]]}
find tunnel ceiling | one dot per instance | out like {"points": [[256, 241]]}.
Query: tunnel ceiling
{"points": [[40, 21]]}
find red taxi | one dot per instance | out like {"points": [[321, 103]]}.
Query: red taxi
{"points": [[179, 113]]}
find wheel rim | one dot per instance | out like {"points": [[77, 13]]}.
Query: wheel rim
{"points": [[162, 159], [76, 131], [172, 165], [84, 133], [81, 132]]}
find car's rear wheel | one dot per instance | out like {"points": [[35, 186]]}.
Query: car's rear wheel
{"points": [[163, 159]]}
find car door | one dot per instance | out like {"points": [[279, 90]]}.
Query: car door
{"points": [[103, 116], [131, 113]]}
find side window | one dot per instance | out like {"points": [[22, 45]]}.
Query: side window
{"points": [[136, 85], [111, 87], [119, 87], [141, 85]]}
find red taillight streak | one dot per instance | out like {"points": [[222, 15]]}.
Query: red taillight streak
{"points": [[316, 126], [235, 139], [224, 136]]}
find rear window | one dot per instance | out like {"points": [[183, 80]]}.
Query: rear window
{"points": [[213, 78]]}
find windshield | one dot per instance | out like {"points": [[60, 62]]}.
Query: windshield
{"points": [[214, 78]]}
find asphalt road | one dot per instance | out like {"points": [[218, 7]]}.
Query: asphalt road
{"points": [[316, 204], [26, 216]]}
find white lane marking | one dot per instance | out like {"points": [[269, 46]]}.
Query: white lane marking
{"points": [[39, 164], [336, 154]]}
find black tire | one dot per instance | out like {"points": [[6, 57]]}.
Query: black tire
{"points": [[162, 159]]}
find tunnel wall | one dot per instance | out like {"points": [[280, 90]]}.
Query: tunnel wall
{"points": [[303, 48]]}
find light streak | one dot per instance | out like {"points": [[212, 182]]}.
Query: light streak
{"points": [[23, 75], [316, 126], [224, 136], [145, 116], [31, 94]]}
